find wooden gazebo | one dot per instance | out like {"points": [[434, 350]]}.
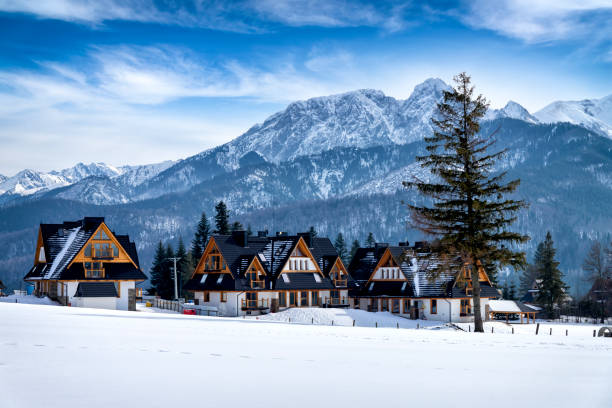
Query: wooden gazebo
{"points": [[511, 307]]}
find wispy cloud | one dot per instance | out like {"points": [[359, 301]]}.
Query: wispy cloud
{"points": [[240, 16], [537, 21]]}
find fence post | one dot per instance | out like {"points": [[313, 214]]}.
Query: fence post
{"points": [[537, 328], [551, 331], [513, 330], [397, 325], [491, 329], [417, 326], [565, 332], [593, 333], [376, 324], [312, 321], [353, 323]]}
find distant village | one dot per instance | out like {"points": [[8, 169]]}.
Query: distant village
{"points": [[236, 272]]}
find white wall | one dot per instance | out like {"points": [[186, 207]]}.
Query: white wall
{"points": [[98, 302], [121, 303]]}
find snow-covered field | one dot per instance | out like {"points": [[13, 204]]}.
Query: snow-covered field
{"points": [[63, 357], [28, 299]]}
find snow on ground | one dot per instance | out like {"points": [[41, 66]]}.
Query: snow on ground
{"points": [[61, 356], [28, 299], [345, 317], [558, 329]]}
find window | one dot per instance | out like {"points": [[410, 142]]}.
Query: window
{"points": [[433, 306], [206, 297], [223, 297], [304, 299], [93, 269], [292, 299], [282, 299], [385, 305], [466, 309], [395, 306], [406, 305], [314, 298], [373, 305]]}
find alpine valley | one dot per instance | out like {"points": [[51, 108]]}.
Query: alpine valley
{"points": [[336, 163]]}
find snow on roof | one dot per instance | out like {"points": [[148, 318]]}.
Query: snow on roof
{"points": [[509, 306]]}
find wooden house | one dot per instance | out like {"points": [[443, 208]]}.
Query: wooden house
{"points": [[397, 279], [83, 263], [241, 274]]}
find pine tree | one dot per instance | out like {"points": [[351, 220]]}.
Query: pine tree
{"points": [[370, 241], [551, 287], [249, 230], [161, 279], [512, 291], [354, 248], [340, 246], [198, 244], [506, 291], [469, 216], [236, 226], [530, 274], [312, 231], [221, 219], [184, 266]]}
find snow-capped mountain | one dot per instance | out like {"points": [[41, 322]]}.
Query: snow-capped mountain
{"points": [[593, 114], [512, 110], [29, 182]]}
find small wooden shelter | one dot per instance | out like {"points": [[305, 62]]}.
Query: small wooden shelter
{"points": [[511, 307]]}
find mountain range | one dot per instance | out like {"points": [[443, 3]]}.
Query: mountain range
{"points": [[336, 163]]}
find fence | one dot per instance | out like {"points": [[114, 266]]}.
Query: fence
{"points": [[179, 307]]}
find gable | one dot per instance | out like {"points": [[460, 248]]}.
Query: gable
{"points": [[212, 260], [301, 260], [387, 269], [464, 276], [102, 245], [40, 255]]}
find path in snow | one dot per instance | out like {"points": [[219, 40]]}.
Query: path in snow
{"points": [[63, 357]]}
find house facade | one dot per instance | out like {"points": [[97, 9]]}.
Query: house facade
{"points": [[397, 279], [83, 263], [249, 275]]}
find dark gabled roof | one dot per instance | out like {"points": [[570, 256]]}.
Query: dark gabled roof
{"points": [[211, 281], [96, 289], [63, 241], [418, 267], [302, 280]]}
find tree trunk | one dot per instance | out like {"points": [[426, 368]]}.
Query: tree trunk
{"points": [[478, 326]]}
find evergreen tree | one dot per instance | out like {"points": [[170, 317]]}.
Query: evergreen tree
{"points": [[312, 231], [184, 266], [161, 280], [340, 246], [506, 291], [236, 226], [551, 288], [512, 291], [221, 219], [198, 244], [469, 216], [530, 274], [354, 248], [249, 230], [370, 241]]}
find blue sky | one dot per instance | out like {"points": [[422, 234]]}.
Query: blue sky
{"points": [[142, 81]]}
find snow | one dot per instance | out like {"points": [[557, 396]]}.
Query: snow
{"points": [[59, 258], [61, 356], [345, 317], [28, 300], [593, 114], [574, 331], [503, 306]]}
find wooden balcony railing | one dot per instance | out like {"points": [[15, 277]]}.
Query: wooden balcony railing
{"points": [[257, 283], [339, 301], [102, 254], [340, 283], [250, 304]]}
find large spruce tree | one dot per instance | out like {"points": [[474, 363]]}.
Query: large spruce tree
{"points": [[467, 211], [222, 226], [340, 246], [551, 288], [161, 280], [200, 238], [184, 265], [530, 274], [370, 241], [356, 245]]}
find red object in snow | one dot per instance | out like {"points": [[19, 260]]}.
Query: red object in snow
{"points": [[189, 312]]}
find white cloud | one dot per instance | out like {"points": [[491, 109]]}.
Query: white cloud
{"points": [[541, 20]]}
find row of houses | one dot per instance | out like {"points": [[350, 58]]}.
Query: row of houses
{"points": [[84, 263]]}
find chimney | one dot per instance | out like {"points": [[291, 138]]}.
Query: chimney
{"points": [[404, 244], [419, 244], [241, 238], [262, 234], [308, 238]]}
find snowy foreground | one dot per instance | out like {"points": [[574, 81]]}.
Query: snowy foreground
{"points": [[62, 357]]}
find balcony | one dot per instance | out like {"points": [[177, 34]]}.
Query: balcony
{"points": [[103, 254], [254, 304], [340, 283], [335, 302], [257, 284]]}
